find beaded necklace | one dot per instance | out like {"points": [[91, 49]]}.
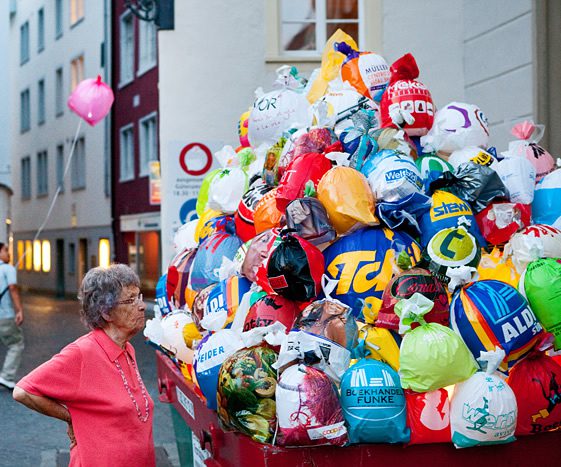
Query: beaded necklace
{"points": [[142, 418]]}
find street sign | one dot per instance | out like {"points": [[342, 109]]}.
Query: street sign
{"points": [[183, 171], [155, 183], [191, 155]]}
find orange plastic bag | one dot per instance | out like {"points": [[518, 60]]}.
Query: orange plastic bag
{"points": [[266, 215], [347, 198]]}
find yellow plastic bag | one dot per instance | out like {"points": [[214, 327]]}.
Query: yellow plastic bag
{"points": [[382, 344], [207, 215], [493, 266], [331, 62], [347, 198]]}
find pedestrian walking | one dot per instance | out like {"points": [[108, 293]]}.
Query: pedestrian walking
{"points": [[11, 319], [94, 384]]}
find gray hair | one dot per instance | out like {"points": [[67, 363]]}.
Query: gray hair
{"points": [[100, 291]]}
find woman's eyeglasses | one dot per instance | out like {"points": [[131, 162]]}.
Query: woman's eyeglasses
{"points": [[131, 301]]}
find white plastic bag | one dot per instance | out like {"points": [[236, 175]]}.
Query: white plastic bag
{"points": [[338, 105], [395, 178], [533, 242], [457, 126], [483, 409], [185, 236], [275, 111], [474, 154], [330, 357], [226, 190], [308, 409], [519, 177]]}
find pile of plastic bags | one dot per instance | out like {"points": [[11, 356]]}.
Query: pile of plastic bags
{"points": [[366, 249]]}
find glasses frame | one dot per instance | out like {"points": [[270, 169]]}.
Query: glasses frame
{"points": [[132, 301]]}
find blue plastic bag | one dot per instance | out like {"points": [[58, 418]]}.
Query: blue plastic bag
{"points": [[373, 404], [363, 264], [209, 257]]}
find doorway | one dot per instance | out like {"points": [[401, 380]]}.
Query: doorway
{"points": [[60, 272], [82, 259]]}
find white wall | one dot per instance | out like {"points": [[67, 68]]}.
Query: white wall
{"points": [[477, 51], [432, 32], [5, 94], [498, 62], [92, 207], [209, 67]]}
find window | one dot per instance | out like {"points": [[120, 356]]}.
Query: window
{"points": [[127, 154], [42, 174], [36, 255], [46, 255], [147, 53], [59, 93], [26, 178], [60, 167], [148, 143], [76, 71], [71, 258], [40, 30], [41, 102], [79, 165], [25, 111], [76, 11], [20, 248], [305, 26], [24, 42], [104, 252], [58, 19], [28, 255], [126, 49]]}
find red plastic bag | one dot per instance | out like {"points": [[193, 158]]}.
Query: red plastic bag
{"points": [[536, 382], [500, 221], [270, 309], [244, 217], [316, 140], [307, 167], [406, 284], [405, 94], [428, 416], [178, 275]]}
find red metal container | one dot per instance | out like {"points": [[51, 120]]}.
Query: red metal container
{"points": [[229, 449]]}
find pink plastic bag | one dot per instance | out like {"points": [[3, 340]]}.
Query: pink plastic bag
{"points": [[91, 99], [529, 134]]}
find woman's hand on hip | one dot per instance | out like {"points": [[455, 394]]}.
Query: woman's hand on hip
{"points": [[70, 432]]}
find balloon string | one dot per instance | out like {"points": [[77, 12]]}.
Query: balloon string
{"points": [[57, 192]]}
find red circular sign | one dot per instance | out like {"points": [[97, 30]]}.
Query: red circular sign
{"points": [[183, 164]]}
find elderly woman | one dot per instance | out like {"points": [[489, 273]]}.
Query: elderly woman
{"points": [[93, 384]]}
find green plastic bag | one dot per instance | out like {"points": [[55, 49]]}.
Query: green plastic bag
{"points": [[246, 392], [541, 285], [431, 356], [202, 199]]}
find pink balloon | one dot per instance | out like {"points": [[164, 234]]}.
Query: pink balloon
{"points": [[92, 99]]}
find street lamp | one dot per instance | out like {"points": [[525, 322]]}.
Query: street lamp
{"points": [[159, 11]]}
